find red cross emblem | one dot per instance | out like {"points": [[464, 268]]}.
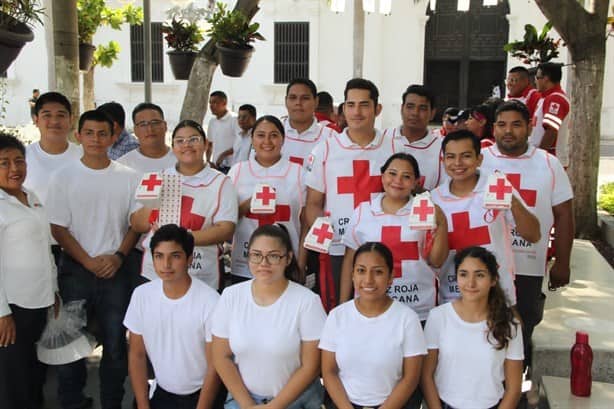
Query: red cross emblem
{"points": [[463, 235], [401, 250], [151, 182], [296, 159], [500, 189], [189, 220], [423, 210], [322, 233], [529, 196], [266, 194], [361, 184], [282, 214]]}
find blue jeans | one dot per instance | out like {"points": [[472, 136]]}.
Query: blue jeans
{"points": [[106, 301], [311, 398]]}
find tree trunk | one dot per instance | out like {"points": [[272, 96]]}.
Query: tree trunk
{"points": [[584, 33], [199, 84], [66, 51], [88, 90]]}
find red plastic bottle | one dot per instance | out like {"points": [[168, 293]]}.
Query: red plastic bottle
{"points": [[581, 364]]}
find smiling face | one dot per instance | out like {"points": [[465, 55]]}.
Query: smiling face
{"points": [[150, 128], [189, 147], [511, 133], [516, 83], [460, 160], [474, 280], [54, 122], [274, 259], [267, 141], [360, 110], [399, 179], [170, 261], [371, 276], [12, 170]]}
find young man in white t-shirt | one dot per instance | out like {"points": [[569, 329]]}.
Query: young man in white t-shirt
{"points": [[89, 204], [150, 128], [242, 145], [417, 111], [221, 132], [178, 340], [544, 186]]}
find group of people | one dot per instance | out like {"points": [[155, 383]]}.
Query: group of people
{"points": [[442, 315]]}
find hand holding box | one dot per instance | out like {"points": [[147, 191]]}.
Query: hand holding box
{"points": [[422, 215]]}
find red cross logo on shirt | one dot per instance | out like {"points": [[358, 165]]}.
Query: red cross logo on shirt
{"points": [[266, 194], [189, 220], [361, 184], [423, 210], [529, 196], [401, 250], [322, 233], [500, 189], [282, 214], [463, 235], [151, 182], [296, 159]]}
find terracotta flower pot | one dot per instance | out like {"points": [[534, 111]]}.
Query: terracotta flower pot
{"points": [[12, 41], [234, 61], [181, 63]]}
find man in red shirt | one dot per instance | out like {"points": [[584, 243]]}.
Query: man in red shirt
{"points": [[325, 111], [519, 88]]}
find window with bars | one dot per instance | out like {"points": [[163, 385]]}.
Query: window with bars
{"points": [[137, 56], [291, 51]]}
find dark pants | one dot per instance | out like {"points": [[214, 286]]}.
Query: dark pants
{"points": [[167, 400], [530, 306], [21, 380], [106, 302]]}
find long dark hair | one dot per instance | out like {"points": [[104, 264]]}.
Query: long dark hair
{"points": [[279, 232], [500, 317]]}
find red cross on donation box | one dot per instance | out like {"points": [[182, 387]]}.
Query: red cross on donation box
{"points": [[320, 235], [498, 194], [263, 199], [422, 215]]}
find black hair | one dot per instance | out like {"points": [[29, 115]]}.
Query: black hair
{"points": [[325, 101], [176, 234], [8, 141], [551, 70], [516, 106], [35, 90], [249, 108], [303, 81], [402, 156], [422, 91], [340, 108], [487, 109], [144, 106], [379, 248], [115, 111], [520, 70], [279, 232], [219, 94], [361, 83], [49, 97], [97, 116], [272, 119], [189, 123], [500, 316], [459, 136]]}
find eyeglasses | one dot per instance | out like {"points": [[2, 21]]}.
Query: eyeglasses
{"points": [[192, 140], [156, 123], [271, 258]]}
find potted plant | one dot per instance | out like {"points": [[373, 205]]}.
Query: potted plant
{"points": [[534, 48], [183, 34], [17, 18], [233, 34]]}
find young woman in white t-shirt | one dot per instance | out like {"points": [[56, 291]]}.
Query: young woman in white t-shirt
{"points": [[266, 331], [372, 346], [474, 343]]}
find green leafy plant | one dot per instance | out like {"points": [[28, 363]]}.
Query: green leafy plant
{"points": [[535, 48], [105, 55], [182, 35], [232, 29], [28, 12], [93, 14], [606, 197]]}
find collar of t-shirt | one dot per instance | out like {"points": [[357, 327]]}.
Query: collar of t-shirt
{"points": [[556, 88], [479, 187], [313, 128], [226, 117], [426, 140], [377, 208], [274, 170], [30, 197], [204, 177], [494, 149], [346, 142]]}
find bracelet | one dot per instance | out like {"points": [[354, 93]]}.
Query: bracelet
{"points": [[121, 256]]}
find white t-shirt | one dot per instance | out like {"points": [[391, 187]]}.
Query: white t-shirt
{"points": [[415, 283], [42, 165], [297, 146], [347, 174], [221, 132], [93, 204], [369, 351], [207, 197], [266, 341], [174, 332], [470, 224], [470, 370], [242, 146], [542, 183], [286, 178], [143, 164], [427, 152]]}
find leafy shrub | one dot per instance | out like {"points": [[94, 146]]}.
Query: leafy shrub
{"points": [[606, 197]]}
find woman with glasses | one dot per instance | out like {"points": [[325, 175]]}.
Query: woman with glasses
{"points": [[208, 205], [267, 167], [266, 331]]}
